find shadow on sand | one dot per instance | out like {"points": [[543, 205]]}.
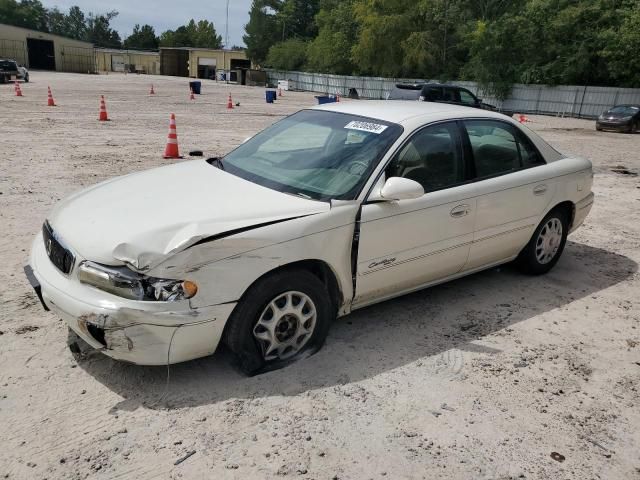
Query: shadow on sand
{"points": [[428, 325]]}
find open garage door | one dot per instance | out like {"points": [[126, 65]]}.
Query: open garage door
{"points": [[41, 54], [207, 68]]}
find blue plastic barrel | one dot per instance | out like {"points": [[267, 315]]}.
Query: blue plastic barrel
{"points": [[195, 86], [271, 96]]}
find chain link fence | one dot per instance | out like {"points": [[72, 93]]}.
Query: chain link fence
{"points": [[567, 100]]}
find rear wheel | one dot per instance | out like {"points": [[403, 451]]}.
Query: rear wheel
{"points": [[634, 127], [280, 319], [546, 245], [26, 78]]}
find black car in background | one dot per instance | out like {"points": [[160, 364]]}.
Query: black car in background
{"points": [[621, 117], [8, 70], [440, 93]]}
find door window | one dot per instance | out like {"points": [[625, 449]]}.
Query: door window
{"points": [[467, 98], [432, 94], [433, 158], [498, 148]]}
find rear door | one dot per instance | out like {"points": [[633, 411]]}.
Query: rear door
{"points": [[514, 189], [409, 243]]}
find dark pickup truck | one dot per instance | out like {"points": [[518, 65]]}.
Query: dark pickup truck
{"points": [[8, 70]]}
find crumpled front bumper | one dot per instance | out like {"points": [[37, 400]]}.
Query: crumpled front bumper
{"points": [[144, 333]]}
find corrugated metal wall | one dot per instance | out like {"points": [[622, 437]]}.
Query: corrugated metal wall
{"points": [[567, 100]]}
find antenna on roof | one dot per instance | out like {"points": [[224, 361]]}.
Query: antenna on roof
{"points": [[226, 29]]}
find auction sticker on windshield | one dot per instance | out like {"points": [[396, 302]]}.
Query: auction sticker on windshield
{"points": [[366, 127]]}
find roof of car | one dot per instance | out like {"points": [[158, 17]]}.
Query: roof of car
{"points": [[401, 111]]}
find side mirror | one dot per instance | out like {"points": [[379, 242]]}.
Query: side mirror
{"points": [[398, 188]]}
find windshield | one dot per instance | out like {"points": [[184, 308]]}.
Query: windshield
{"points": [[314, 154], [625, 110]]}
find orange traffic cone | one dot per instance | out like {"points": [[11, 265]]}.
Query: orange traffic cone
{"points": [[192, 96], [18, 91], [171, 151], [50, 101], [152, 92], [522, 118], [230, 103], [103, 110]]}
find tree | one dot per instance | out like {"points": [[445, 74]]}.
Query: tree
{"points": [[288, 55], [99, 31], [330, 51], [621, 51], [142, 37], [76, 23], [202, 35], [262, 29]]}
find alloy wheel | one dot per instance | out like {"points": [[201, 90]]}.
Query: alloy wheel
{"points": [[549, 241], [286, 325]]}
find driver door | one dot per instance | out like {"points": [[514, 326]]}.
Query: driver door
{"points": [[407, 244]]}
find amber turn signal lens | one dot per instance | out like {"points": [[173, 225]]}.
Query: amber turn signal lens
{"points": [[189, 288]]}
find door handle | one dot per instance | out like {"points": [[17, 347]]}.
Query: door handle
{"points": [[460, 211], [540, 190]]}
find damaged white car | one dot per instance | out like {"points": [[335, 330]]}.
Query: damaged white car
{"points": [[331, 209]]}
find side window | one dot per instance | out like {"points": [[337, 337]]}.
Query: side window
{"points": [[433, 158], [432, 94], [450, 95], [467, 98], [498, 148]]}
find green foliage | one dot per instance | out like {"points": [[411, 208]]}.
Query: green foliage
{"points": [[201, 35], [31, 14], [288, 55], [495, 42], [330, 51], [261, 31], [100, 33], [143, 38], [622, 50], [273, 21]]}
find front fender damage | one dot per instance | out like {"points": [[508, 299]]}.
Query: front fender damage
{"points": [[150, 251], [127, 330]]}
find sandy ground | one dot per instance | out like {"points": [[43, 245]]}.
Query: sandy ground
{"points": [[483, 378]]}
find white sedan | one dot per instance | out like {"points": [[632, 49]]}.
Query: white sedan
{"points": [[329, 210]]}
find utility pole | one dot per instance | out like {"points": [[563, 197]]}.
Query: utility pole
{"points": [[226, 29]]}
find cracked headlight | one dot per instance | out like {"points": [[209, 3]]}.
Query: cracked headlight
{"points": [[123, 282]]}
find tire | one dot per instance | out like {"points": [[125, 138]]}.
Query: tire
{"points": [[634, 127], [260, 306], [26, 78], [598, 128], [546, 245]]}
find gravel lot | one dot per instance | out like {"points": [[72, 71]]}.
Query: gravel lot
{"points": [[482, 378]]}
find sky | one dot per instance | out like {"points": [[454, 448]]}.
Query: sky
{"points": [[166, 14]]}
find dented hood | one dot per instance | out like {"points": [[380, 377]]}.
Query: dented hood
{"points": [[143, 218]]}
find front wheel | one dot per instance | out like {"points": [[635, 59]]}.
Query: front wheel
{"points": [[280, 319], [546, 245]]}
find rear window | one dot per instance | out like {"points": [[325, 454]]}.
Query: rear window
{"points": [[7, 65]]}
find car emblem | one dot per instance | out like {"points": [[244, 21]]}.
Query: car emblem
{"points": [[49, 247]]}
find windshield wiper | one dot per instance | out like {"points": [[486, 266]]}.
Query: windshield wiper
{"points": [[216, 162]]}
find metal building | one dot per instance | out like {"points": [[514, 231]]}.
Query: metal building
{"points": [[45, 51], [131, 61], [231, 65]]}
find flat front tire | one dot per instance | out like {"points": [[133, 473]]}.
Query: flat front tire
{"points": [[281, 318], [546, 245]]}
